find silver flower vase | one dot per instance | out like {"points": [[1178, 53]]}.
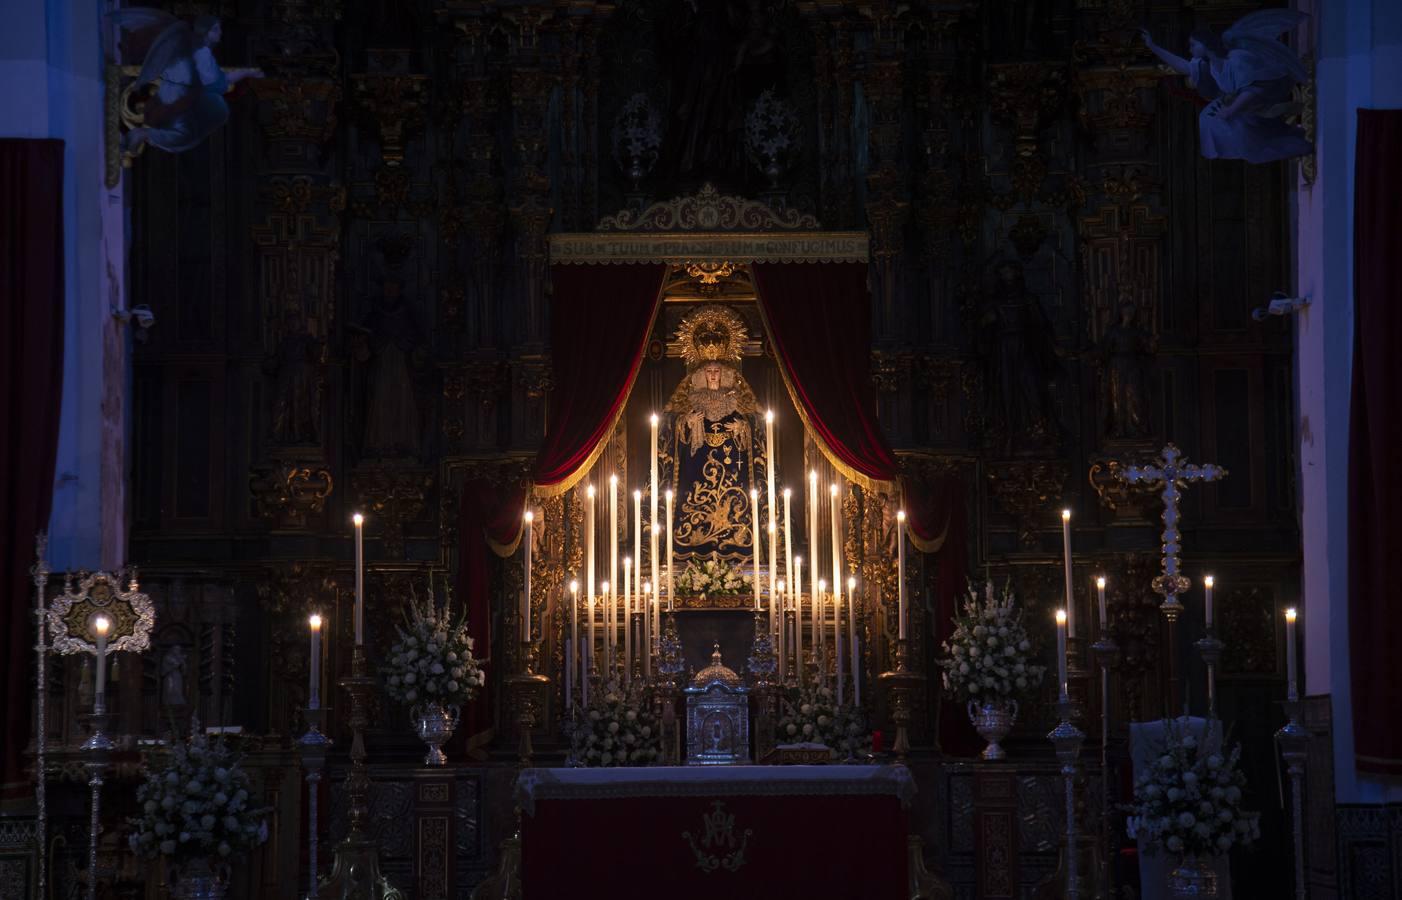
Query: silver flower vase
{"points": [[993, 720], [1194, 879], [434, 724], [196, 880]]}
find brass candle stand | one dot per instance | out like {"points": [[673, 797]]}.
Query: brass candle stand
{"points": [[764, 666], [791, 668], [670, 665], [901, 682], [1067, 740], [40, 572], [355, 875], [527, 688], [1294, 747], [313, 747]]}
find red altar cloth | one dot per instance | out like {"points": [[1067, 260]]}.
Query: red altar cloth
{"points": [[726, 832]]}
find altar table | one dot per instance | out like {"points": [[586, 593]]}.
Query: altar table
{"points": [[691, 833]]}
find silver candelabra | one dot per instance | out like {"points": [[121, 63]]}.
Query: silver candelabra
{"points": [[1067, 740], [313, 747], [1294, 747]]}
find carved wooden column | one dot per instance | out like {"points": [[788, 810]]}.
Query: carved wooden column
{"points": [[887, 205]]}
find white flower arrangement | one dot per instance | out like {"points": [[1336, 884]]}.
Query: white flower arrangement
{"points": [[771, 127], [637, 130], [1188, 803], [812, 716], [713, 575], [197, 806], [432, 660], [617, 729], [989, 656]]}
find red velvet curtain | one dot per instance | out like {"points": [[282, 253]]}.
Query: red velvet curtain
{"points": [[1375, 432], [819, 319], [600, 320], [31, 381]]}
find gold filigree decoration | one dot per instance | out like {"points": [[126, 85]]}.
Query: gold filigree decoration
{"points": [[710, 272], [719, 847], [72, 613], [708, 210]]}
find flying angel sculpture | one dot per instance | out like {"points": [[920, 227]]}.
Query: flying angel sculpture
{"points": [[1248, 74], [188, 103]]}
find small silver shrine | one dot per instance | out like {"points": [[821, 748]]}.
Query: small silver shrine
{"points": [[717, 717]]}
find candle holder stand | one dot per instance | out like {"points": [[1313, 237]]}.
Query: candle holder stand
{"points": [[527, 689], [97, 756], [313, 748], [40, 573], [791, 668], [1294, 747], [1172, 609], [1210, 649], [670, 665], [635, 624], [901, 682], [1105, 651], [355, 874], [1078, 673], [1066, 738], [763, 667]]}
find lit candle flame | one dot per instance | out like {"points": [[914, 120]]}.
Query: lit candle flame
{"points": [[1100, 582], [1061, 617], [900, 515], [315, 622], [1290, 614], [101, 624], [1209, 581], [1066, 515], [358, 519]]}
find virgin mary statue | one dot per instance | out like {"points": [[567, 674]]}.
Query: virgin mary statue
{"points": [[711, 441]]}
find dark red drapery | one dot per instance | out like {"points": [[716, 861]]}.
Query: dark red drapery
{"points": [[819, 319], [31, 381], [600, 320], [1375, 432]]}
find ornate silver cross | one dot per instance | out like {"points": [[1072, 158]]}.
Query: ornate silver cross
{"points": [[1173, 474]]}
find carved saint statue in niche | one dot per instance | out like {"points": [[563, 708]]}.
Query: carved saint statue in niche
{"points": [[712, 440], [1125, 352], [1020, 362], [296, 370], [173, 665], [388, 341]]}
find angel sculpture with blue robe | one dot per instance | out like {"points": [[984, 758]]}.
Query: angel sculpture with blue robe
{"points": [[188, 103], [1248, 75]]}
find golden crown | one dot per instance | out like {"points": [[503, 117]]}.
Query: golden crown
{"points": [[712, 334]]}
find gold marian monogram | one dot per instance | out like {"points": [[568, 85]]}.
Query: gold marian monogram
{"points": [[719, 847]]}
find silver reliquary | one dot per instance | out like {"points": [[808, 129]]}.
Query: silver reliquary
{"points": [[717, 717]]}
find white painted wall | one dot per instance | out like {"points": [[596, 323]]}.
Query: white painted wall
{"points": [[1358, 52], [51, 63]]}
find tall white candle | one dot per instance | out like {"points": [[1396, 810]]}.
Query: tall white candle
{"points": [[649, 609], [671, 558], [771, 461], [788, 551], [574, 641], [815, 536], [359, 521], [638, 545], [775, 606], [589, 664], [1061, 655], [797, 588], [526, 594], [820, 629], [754, 540], [900, 572], [314, 685], [1207, 585], [613, 549], [652, 503], [606, 596], [1066, 552], [101, 625], [836, 545], [852, 639], [1100, 595], [656, 586], [628, 618], [589, 561], [1292, 687], [837, 640]]}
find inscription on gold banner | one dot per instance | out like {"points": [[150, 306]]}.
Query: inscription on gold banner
{"points": [[734, 247]]}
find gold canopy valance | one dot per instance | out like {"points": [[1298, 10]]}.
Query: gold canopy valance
{"points": [[708, 227]]}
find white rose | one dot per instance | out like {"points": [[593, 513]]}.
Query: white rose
{"points": [[453, 687], [1024, 644]]}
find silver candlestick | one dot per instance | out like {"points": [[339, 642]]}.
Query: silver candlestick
{"points": [[1294, 747], [97, 752], [40, 571], [1067, 740], [1210, 649], [313, 747], [1105, 650]]}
